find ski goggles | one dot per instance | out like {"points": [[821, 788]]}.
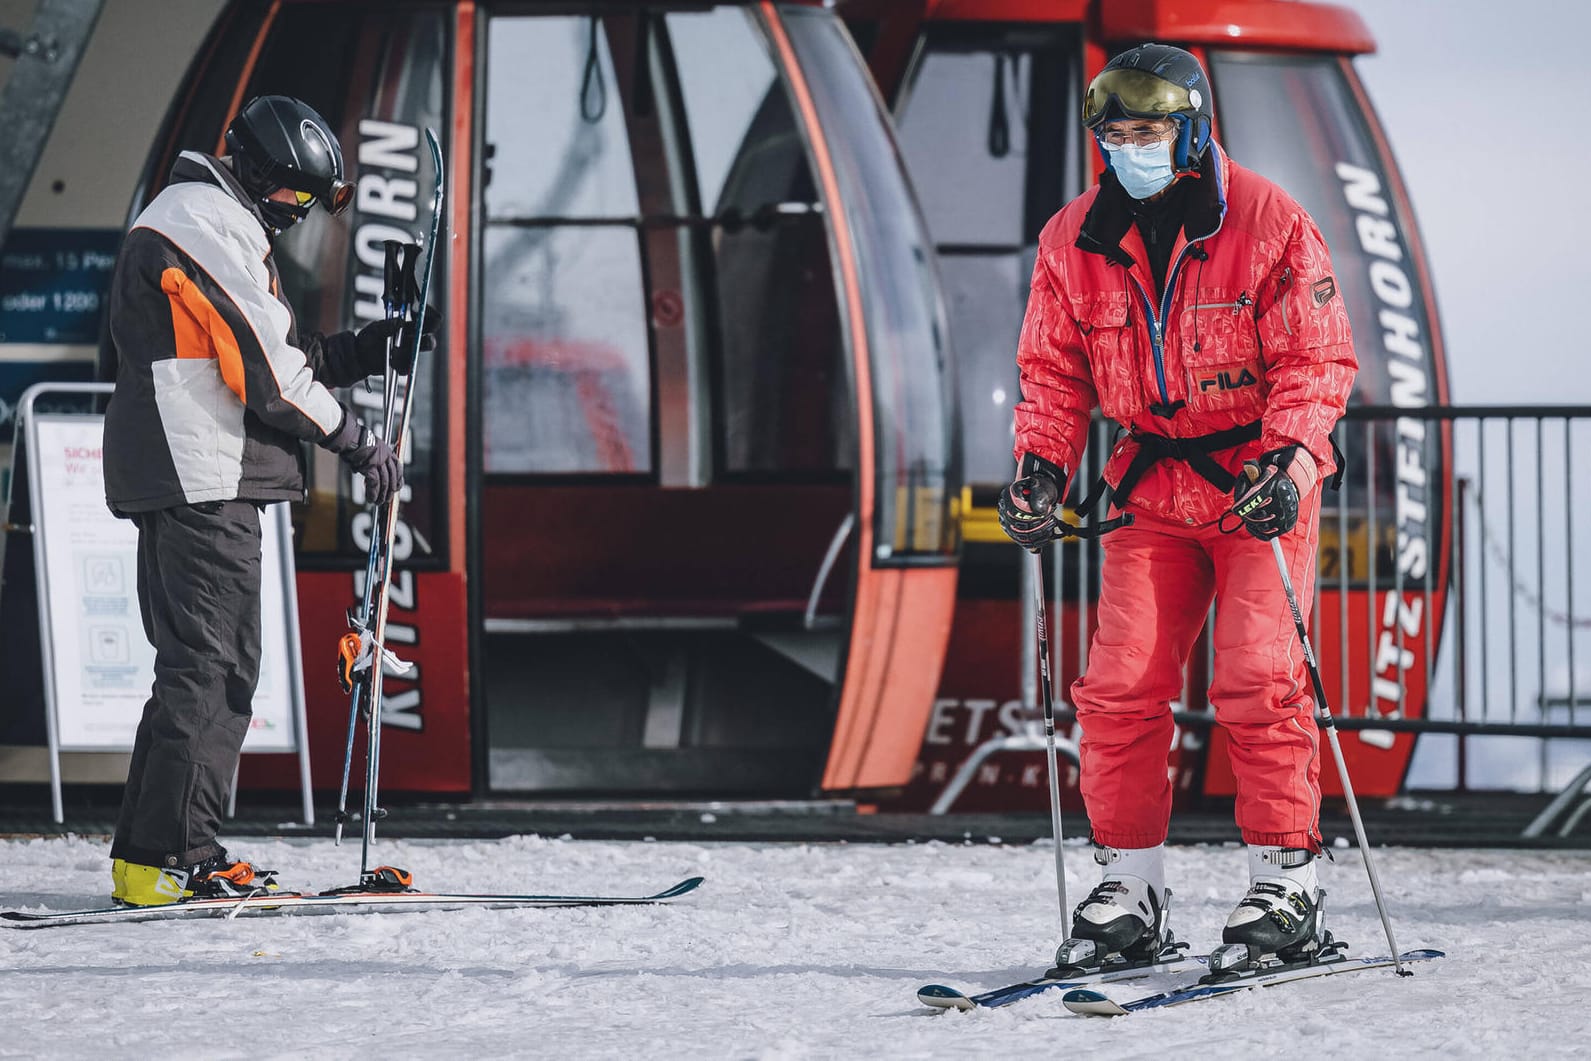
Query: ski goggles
{"points": [[1136, 94], [339, 195]]}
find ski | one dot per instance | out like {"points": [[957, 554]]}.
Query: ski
{"points": [[1097, 1003], [353, 900], [939, 996]]}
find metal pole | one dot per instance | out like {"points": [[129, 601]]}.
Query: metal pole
{"points": [[1324, 717], [295, 657], [1085, 548], [1481, 570], [1030, 649], [1432, 564], [1344, 562], [1397, 593], [1460, 564], [1541, 600], [1513, 582], [25, 423], [1372, 549], [1568, 551], [1040, 609]]}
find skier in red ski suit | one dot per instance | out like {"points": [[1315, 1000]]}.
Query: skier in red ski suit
{"points": [[1193, 302]]}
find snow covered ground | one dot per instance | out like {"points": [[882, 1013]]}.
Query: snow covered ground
{"points": [[788, 951]]}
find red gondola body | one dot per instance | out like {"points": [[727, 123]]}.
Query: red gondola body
{"points": [[683, 513], [687, 509]]}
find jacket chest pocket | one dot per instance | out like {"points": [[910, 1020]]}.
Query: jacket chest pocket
{"points": [[1112, 347], [1223, 365]]}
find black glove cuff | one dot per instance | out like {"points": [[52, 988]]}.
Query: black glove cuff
{"points": [[342, 366], [1282, 457], [1033, 464]]}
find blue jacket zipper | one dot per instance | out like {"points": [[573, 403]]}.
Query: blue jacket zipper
{"points": [[1156, 324]]}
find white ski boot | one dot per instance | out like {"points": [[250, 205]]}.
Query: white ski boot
{"points": [[1124, 919], [1281, 918]]}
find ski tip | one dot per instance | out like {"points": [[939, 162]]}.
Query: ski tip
{"points": [[689, 884], [1090, 1003], [941, 997]]}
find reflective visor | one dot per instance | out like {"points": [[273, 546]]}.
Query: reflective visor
{"points": [[1137, 94], [341, 194]]}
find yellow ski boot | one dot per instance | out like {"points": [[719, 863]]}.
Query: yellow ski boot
{"points": [[218, 877], [149, 885]]}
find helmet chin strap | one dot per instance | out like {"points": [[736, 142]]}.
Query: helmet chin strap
{"points": [[281, 216]]}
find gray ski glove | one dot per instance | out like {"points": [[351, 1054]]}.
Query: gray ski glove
{"points": [[369, 456]]}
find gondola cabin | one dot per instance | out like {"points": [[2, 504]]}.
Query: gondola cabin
{"points": [[683, 513]]}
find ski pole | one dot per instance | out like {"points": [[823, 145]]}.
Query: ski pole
{"points": [[1046, 695], [1329, 724], [392, 294], [415, 298], [1041, 503], [397, 410], [412, 296]]}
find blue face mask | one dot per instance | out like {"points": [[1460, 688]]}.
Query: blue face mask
{"points": [[1143, 171]]}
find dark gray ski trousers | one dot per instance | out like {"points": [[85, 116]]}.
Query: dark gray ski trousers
{"points": [[199, 591]]}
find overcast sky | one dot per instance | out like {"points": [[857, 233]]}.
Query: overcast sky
{"points": [[1485, 107]]}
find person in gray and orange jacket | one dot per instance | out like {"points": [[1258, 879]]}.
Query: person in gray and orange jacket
{"points": [[215, 389], [1193, 302]]}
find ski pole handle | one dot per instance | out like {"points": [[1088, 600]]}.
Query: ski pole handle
{"points": [[409, 288], [391, 273]]}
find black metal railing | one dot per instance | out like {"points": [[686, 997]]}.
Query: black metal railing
{"points": [[1446, 593], [1504, 540]]}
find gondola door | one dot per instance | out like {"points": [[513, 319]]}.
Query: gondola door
{"points": [[907, 497], [667, 466]]}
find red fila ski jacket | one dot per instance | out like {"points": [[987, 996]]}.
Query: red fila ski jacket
{"points": [[1250, 330]]}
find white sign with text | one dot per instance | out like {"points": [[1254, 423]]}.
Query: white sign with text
{"points": [[103, 665]]}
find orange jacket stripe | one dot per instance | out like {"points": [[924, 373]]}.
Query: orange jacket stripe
{"points": [[201, 331], [190, 338]]}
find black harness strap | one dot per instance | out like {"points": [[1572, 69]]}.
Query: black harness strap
{"points": [[1194, 451]]}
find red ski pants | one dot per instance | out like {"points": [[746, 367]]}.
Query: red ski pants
{"points": [[1158, 581]]}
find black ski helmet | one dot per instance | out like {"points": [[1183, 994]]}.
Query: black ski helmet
{"points": [[280, 142], [1155, 81]]}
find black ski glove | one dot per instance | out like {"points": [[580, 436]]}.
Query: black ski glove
{"points": [[368, 456], [1029, 508], [1266, 495], [370, 343]]}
